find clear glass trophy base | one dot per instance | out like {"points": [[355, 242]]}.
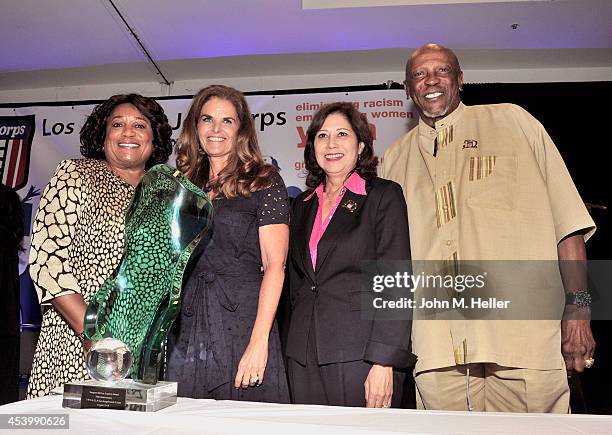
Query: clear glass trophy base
{"points": [[126, 394]]}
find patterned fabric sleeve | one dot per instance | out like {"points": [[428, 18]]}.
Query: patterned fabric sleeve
{"points": [[274, 205], [52, 234]]}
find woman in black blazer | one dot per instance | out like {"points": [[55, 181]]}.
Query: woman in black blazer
{"points": [[339, 351]]}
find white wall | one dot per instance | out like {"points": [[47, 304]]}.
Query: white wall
{"points": [[95, 92]]}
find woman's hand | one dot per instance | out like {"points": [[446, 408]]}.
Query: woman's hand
{"points": [[87, 345], [252, 364], [379, 387], [273, 241]]}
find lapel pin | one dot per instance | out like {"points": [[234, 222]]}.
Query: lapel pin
{"points": [[470, 143], [350, 205]]}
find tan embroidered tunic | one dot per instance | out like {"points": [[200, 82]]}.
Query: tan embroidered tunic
{"points": [[497, 189]]}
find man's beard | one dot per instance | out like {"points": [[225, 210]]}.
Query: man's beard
{"points": [[440, 114]]}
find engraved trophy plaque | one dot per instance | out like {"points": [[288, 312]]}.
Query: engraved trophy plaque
{"points": [[130, 316]]}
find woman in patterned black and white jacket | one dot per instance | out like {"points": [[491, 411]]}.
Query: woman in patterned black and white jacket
{"points": [[77, 237]]}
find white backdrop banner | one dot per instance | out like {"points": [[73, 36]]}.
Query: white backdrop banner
{"points": [[33, 140]]}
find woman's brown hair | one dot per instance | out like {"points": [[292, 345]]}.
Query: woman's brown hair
{"points": [[245, 171]]}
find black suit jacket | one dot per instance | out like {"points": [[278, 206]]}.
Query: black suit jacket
{"points": [[364, 227]]}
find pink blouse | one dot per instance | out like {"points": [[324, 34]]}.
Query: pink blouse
{"points": [[355, 184]]}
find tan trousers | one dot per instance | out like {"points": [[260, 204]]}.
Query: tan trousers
{"points": [[490, 387]]}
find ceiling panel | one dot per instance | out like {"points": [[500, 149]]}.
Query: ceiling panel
{"points": [[190, 39], [331, 4], [61, 33], [197, 29]]}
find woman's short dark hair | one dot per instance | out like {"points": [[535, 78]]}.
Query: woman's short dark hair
{"points": [[93, 133], [367, 161]]}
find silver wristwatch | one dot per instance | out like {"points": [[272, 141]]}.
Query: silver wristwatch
{"points": [[581, 298]]}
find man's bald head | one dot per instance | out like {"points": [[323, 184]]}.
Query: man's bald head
{"points": [[433, 82], [432, 47]]}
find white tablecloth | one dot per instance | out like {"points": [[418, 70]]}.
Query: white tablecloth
{"points": [[190, 416]]}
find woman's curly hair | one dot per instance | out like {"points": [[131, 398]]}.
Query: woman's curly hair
{"points": [[93, 133], [367, 161], [245, 172]]}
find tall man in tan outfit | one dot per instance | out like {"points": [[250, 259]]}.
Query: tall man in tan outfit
{"points": [[487, 183]]}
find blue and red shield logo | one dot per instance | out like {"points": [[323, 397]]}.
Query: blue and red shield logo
{"points": [[16, 134]]}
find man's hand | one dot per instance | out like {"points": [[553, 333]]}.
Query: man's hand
{"points": [[577, 342]]}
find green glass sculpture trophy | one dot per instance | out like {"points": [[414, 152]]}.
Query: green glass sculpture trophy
{"points": [[130, 316]]}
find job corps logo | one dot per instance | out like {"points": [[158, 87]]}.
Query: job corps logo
{"points": [[16, 134]]}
